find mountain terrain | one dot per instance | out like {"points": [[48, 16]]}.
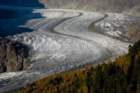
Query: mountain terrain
{"points": [[22, 3], [97, 5], [41, 40]]}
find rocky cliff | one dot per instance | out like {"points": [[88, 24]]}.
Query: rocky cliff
{"points": [[13, 56]]}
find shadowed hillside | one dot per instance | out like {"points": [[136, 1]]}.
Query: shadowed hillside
{"points": [[15, 13], [25, 3]]}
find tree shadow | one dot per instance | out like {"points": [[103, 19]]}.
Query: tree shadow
{"points": [[14, 14]]}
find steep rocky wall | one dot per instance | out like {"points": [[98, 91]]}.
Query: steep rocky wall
{"points": [[13, 56]]}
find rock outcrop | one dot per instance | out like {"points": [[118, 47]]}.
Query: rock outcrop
{"points": [[13, 56]]}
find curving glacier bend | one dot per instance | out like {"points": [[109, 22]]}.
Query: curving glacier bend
{"points": [[61, 41]]}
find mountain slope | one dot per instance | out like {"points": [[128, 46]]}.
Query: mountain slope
{"points": [[96, 5], [26, 3]]}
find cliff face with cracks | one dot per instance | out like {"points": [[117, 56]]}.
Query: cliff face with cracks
{"points": [[13, 56]]}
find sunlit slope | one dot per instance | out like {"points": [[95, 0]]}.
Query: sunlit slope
{"points": [[96, 5]]}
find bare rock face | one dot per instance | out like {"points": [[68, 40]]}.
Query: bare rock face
{"points": [[13, 56]]}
